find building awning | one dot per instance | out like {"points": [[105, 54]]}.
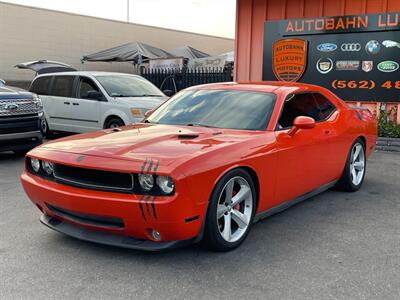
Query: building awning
{"points": [[127, 52], [188, 52]]}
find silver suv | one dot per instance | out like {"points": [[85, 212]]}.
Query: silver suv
{"points": [[21, 118]]}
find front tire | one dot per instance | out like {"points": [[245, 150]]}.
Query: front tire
{"points": [[231, 211], [354, 171], [114, 122], [44, 126]]}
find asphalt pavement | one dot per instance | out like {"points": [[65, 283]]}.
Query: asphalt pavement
{"points": [[333, 246]]}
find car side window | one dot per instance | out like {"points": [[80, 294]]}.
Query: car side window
{"points": [[41, 85], [86, 85], [62, 86], [296, 105], [326, 107]]}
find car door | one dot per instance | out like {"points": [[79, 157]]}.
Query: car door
{"points": [[85, 110], [304, 158], [59, 101]]}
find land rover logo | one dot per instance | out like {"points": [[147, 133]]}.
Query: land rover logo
{"points": [[11, 106], [388, 66]]}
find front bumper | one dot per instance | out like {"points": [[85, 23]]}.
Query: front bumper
{"points": [[110, 239], [177, 218]]}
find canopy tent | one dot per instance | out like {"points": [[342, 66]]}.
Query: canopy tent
{"points": [[45, 66], [128, 52], [188, 52]]}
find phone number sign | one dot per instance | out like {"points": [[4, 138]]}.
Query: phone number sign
{"points": [[357, 57]]}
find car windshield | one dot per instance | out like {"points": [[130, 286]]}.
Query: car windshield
{"points": [[217, 108], [128, 86]]}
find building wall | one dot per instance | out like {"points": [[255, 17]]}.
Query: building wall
{"points": [[252, 14], [28, 34]]}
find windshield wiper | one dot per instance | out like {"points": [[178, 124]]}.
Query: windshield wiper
{"points": [[200, 125], [149, 122]]}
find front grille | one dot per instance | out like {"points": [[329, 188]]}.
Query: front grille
{"points": [[87, 218], [14, 107], [9, 125], [94, 179]]}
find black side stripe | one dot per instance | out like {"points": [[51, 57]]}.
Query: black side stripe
{"points": [[154, 207], [141, 207], [147, 204], [156, 166], [150, 165], [144, 165]]}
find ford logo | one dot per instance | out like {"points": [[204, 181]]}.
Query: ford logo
{"points": [[11, 106], [327, 47]]}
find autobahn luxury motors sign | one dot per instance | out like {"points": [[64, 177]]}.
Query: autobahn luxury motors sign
{"points": [[357, 57]]}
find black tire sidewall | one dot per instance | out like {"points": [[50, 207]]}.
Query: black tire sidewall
{"points": [[345, 182], [212, 236], [115, 120]]}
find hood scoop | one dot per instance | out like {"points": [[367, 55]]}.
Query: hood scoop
{"points": [[187, 136]]}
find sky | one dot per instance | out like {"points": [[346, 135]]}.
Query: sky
{"points": [[213, 17]]}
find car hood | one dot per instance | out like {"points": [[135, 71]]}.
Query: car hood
{"points": [[9, 92], [142, 102], [138, 142]]}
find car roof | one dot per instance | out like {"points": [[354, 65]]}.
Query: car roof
{"points": [[91, 73], [264, 86]]}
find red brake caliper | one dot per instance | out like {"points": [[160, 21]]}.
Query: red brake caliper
{"points": [[237, 206]]}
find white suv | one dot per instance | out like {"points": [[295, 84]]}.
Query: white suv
{"points": [[87, 101]]}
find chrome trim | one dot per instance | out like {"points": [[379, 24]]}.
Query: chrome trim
{"points": [[21, 135], [92, 186]]}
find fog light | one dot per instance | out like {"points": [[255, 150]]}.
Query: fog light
{"points": [[156, 235], [146, 181], [35, 164], [48, 167]]}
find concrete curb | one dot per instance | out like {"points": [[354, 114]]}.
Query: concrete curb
{"points": [[388, 144]]}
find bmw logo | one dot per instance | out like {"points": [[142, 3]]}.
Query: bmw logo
{"points": [[373, 47]]}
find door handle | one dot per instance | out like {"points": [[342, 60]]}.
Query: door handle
{"points": [[67, 103], [76, 104]]}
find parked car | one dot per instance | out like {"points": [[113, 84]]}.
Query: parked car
{"points": [[88, 101], [20, 119], [203, 166]]}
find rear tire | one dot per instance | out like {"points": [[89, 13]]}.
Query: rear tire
{"points": [[44, 126], [231, 211], [114, 122], [354, 171]]}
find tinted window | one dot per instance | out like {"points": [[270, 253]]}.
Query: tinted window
{"points": [[217, 108], [326, 107], [85, 86], [62, 86], [128, 86], [41, 85], [312, 105]]}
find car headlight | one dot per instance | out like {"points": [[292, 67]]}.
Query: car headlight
{"points": [[166, 184], [35, 164], [146, 181], [38, 101], [138, 112], [48, 167]]}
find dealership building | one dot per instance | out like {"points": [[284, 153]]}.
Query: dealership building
{"points": [[351, 47], [29, 34]]}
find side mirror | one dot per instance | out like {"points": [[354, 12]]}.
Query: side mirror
{"points": [[94, 95], [2, 82], [148, 113], [301, 122], [168, 93]]}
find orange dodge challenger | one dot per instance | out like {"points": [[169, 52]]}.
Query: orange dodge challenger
{"points": [[204, 166]]}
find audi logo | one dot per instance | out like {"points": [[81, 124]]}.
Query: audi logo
{"points": [[353, 47]]}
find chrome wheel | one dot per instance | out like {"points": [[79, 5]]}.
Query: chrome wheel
{"points": [[234, 210], [357, 164]]}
